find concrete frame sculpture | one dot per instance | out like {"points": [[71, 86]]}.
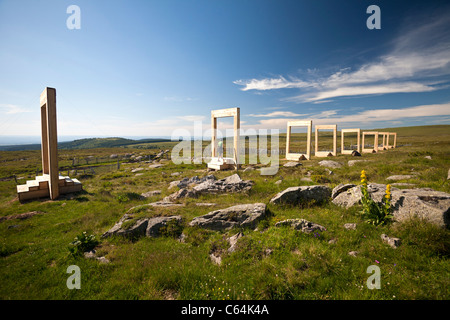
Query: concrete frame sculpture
{"points": [[225, 163], [50, 183], [318, 153], [375, 143], [385, 140], [358, 142], [298, 156], [394, 144]]}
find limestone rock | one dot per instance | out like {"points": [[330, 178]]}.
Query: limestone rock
{"points": [[232, 183], [400, 177], [301, 225], [330, 164], [350, 226], [151, 193], [233, 241], [180, 194], [295, 195], [137, 170], [244, 215], [292, 164], [425, 203], [393, 242], [341, 188], [143, 227], [351, 163], [155, 224]]}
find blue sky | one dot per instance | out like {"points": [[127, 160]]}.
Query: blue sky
{"points": [[146, 68]]}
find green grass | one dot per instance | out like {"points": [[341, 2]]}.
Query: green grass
{"points": [[270, 263]]}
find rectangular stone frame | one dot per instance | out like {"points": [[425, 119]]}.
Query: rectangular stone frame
{"points": [[49, 140], [318, 153], [375, 144], [358, 143], [299, 156], [223, 113], [385, 141], [394, 144]]}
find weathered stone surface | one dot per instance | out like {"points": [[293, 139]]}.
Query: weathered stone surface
{"points": [[137, 170], [301, 225], [351, 163], [330, 164], [393, 242], [292, 164], [180, 194], [352, 196], [448, 174], [400, 177], [244, 215], [145, 226], [341, 188], [402, 184], [155, 166], [155, 224], [249, 169], [295, 195], [425, 203], [353, 253], [232, 183], [233, 241], [151, 193], [350, 226], [278, 182]]}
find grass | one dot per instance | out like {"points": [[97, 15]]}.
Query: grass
{"points": [[270, 263]]}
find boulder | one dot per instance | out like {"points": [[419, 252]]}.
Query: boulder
{"points": [[296, 195], [330, 164], [142, 227], [341, 188], [232, 183], [292, 164], [425, 203], [244, 215], [301, 225], [155, 224], [180, 194], [400, 177]]}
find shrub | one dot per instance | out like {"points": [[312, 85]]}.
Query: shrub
{"points": [[83, 243], [373, 212]]}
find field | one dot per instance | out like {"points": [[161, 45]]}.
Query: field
{"points": [[270, 263]]}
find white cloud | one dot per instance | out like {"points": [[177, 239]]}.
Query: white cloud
{"points": [[368, 117], [277, 114], [13, 109], [418, 54]]}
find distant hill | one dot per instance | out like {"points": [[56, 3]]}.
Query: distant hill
{"points": [[89, 143]]}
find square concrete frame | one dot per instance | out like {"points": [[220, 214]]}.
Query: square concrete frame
{"points": [[375, 144], [394, 144], [299, 156], [358, 143], [223, 113], [385, 141], [318, 153]]}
